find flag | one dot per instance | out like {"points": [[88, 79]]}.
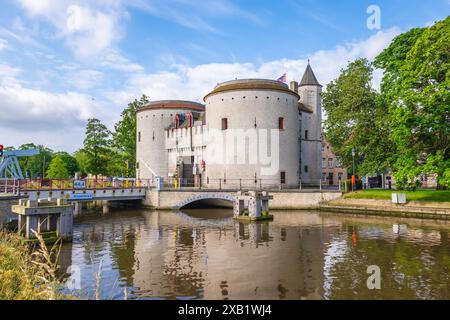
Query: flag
{"points": [[282, 78]]}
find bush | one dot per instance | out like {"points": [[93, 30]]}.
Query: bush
{"points": [[346, 185], [26, 275]]}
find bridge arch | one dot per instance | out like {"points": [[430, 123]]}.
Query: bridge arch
{"points": [[207, 199]]}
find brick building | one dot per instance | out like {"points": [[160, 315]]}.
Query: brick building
{"points": [[332, 171]]}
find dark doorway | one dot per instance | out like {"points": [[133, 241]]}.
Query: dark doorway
{"points": [[330, 178]]}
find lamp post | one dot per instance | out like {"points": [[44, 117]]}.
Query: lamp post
{"points": [[353, 176]]}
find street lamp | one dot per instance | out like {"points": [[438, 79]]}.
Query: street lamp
{"points": [[353, 176]]}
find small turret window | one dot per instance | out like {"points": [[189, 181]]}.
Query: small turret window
{"points": [[224, 123], [306, 134], [139, 136], [281, 123]]}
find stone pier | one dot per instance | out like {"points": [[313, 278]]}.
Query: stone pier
{"points": [[52, 219]]}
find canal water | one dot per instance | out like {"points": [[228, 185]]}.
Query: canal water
{"points": [[205, 254]]}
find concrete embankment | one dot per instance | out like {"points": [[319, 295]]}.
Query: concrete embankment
{"points": [[412, 209], [5, 209]]}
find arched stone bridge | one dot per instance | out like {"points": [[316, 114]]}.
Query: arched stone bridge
{"points": [[282, 199]]}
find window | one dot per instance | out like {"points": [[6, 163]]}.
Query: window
{"points": [[224, 123], [323, 148], [281, 123], [330, 163], [306, 134], [324, 176], [139, 136], [283, 177], [306, 169], [340, 176], [324, 163]]}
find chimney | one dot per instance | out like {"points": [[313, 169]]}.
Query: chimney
{"points": [[294, 86]]}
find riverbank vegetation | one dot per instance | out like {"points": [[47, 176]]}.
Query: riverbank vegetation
{"points": [[27, 274], [418, 195]]}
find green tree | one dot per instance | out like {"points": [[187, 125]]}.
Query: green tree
{"points": [[124, 136], [356, 118], [57, 168], [82, 161], [70, 162], [416, 88], [36, 165], [97, 147]]}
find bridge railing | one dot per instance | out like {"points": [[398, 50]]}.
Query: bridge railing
{"points": [[70, 184], [245, 184], [9, 186]]}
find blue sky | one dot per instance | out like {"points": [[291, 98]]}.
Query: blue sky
{"points": [[63, 61]]}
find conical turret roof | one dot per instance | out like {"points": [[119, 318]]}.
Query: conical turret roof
{"points": [[309, 79]]}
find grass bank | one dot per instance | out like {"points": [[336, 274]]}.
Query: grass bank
{"points": [[27, 274], [419, 195]]}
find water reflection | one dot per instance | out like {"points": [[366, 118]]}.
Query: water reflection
{"points": [[205, 254]]}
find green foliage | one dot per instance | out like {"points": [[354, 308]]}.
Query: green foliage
{"points": [[124, 138], [57, 169], [82, 161], [70, 162], [38, 164], [97, 147], [416, 88], [356, 117], [26, 275]]}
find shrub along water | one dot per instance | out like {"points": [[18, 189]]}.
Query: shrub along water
{"points": [[27, 274]]}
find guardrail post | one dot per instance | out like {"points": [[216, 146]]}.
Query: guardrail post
{"points": [[320, 184]]}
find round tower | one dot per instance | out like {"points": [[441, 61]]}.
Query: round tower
{"points": [[257, 120], [151, 122]]}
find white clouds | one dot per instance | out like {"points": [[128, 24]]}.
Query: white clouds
{"points": [[29, 109], [114, 60], [89, 32], [88, 27], [3, 44], [193, 82], [54, 119], [8, 71], [84, 79]]}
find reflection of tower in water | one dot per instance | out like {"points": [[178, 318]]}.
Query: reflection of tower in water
{"points": [[280, 259]]}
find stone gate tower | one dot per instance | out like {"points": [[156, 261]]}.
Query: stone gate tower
{"points": [[310, 136]]}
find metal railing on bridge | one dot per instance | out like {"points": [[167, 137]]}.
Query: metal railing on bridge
{"points": [[243, 184], [71, 184]]}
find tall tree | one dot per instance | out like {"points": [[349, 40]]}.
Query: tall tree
{"points": [[416, 87], [356, 118], [124, 136], [57, 168], [82, 161], [96, 147]]}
